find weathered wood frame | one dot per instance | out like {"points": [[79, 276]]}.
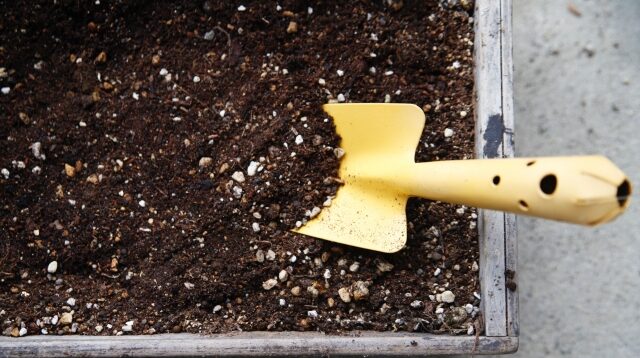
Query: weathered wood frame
{"points": [[494, 131]]}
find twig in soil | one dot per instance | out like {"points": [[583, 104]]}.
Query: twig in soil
{"points": [[109, 276], [303, 276], [477, 325], [190, 95], [228, 39], [160, 190]]}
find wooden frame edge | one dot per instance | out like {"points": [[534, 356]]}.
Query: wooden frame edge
{"points": [[257, 344]]}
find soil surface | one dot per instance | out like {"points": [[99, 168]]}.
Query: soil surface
{"points": [[154, 156]]}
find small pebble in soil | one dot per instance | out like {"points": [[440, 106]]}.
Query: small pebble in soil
{"points": [[242, 8], [312, 314], [463, 114], [327, 274], [128, 326], [36, 150], [448, 132], [384, 266], [321, 81], [296, 291], [355, 266], [70, 170], [217, 308], [237, 192], [474, 266], [341, 98], [5, 173], [331, 302], [6, 90], [93, 179], [292, 27], [313, 291], [260, 256], [283, 275], [163, 72], [340, 73], [52, 267], [255, 227], [313, 212], [209, 35], [271, 255], [71, 301], [468, 307], [66, 318], [238, 176], [416, 304], [269, 284], [196, 79], [384, 308], [299, 140], [360, 290], [252, 168], [142, 203], [448, 297]]}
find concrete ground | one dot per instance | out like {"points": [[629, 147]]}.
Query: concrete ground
{"points": [[577, 91]]}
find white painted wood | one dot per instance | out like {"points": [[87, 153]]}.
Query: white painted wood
{"points": [[489, 134], [511, 242], [254, 344]]}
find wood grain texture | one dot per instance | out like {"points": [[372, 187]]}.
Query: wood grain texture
{"points": [[255, 344], [490, 129], [508, 151]]}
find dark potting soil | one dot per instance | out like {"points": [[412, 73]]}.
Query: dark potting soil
{"points": [[154, 156]]}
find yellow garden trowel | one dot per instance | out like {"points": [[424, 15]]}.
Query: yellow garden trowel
{"points": [[380, 173]]}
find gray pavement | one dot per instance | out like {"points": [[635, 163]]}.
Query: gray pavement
{"points": [[577, 91]]}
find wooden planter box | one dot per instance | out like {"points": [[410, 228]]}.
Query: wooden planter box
{"points": [[498, 252]]}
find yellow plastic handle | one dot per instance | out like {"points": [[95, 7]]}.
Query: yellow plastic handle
{"points": [[587, 190]]}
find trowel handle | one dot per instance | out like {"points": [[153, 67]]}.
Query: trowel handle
{"points": [[587, 190]]}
